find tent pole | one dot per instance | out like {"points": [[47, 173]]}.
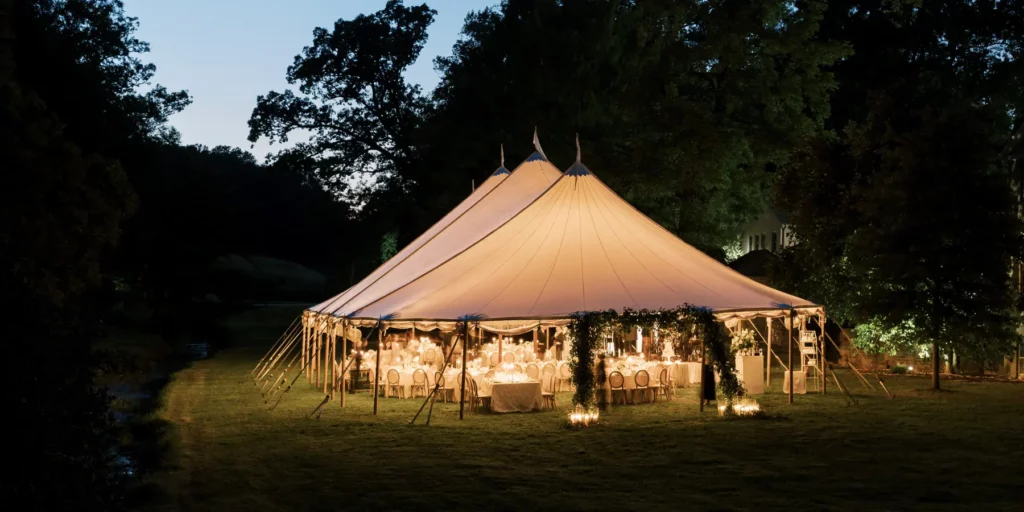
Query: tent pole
{"points": [[700, 388], [789, 343], [824, 377], [313, 344], [768, 354], [305, 335], [328, 371], [501, 359], [536, 336], [462, 388], [376, 373], [344, 359]]}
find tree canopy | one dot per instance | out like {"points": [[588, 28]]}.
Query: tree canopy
{"points": [[904, 212]]}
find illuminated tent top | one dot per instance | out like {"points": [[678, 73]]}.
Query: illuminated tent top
{"points": [[577, 247], [496, 200]]}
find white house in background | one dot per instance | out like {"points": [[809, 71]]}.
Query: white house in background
{"points": [[770, 231]]}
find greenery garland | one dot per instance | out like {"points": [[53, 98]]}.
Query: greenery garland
{"points": [[705, 327], [585, 327], [589, 326]]}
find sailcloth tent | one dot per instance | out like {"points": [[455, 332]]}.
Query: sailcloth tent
{"points": [[576, 247], [503, 195]]}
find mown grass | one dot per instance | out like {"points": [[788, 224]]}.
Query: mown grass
{"points": [[960, 449]]}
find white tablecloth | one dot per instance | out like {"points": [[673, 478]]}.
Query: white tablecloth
{"points": [[799, 383], [516, 397], [750, 370], [692, 370]]}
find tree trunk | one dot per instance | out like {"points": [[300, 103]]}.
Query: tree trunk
{"points": [[936, 362]]}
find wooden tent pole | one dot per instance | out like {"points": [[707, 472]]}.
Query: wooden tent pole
{"points": [[501, 359], [376, 372], [305, 337], [536, 337], [768, 356], [344, 357], [824, 377], [789, 344], [328, 371], [462, 388], [700, 388]]}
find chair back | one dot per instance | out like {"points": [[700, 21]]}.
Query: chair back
{"points": [[419, 377], [616, 380], [517, 368], [549, 369], [532, 371], [663, 376], [393, 377], [563, 371], [439, 380], [494, 359], [642, 379], [509, 357], [548, 384], [429, 356]]}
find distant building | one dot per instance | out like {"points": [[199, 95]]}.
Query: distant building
{"points": [[770, 232]]}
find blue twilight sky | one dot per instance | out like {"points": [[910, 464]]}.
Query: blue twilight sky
{"points": [[226, 52]]}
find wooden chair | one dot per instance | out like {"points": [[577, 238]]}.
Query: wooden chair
{"points": [[419, 383], [494, 359], [642, 380], [442, 388], [508, 357], [517, 368], [564, 376], [533, 372], [664, 385], [395, 387], [476, 400], [549, 369], [429, 356], [547, 390], [617, 383]]}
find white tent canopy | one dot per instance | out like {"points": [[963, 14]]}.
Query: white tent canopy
{"points": [[577, 247], [499, 198]]}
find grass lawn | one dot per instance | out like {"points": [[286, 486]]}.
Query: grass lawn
{"points": [[956, 450]]}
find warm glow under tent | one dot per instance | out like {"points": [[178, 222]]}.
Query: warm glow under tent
{"points": [[576, 247], [495, 201]]}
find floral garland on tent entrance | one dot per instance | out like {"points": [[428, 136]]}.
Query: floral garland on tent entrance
{"points": [[588, 326]]}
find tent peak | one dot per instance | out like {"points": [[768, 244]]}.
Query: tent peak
{"points": [[536, 157], [578, 169], [500, 171]]}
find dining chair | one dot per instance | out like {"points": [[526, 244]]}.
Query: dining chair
{"points": [[419, 382], [494, 359], [617, 384], [508, 357], [564, 376], [395, 387], [547, 391], [642, 380], [532, 371], [664, 385]]}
